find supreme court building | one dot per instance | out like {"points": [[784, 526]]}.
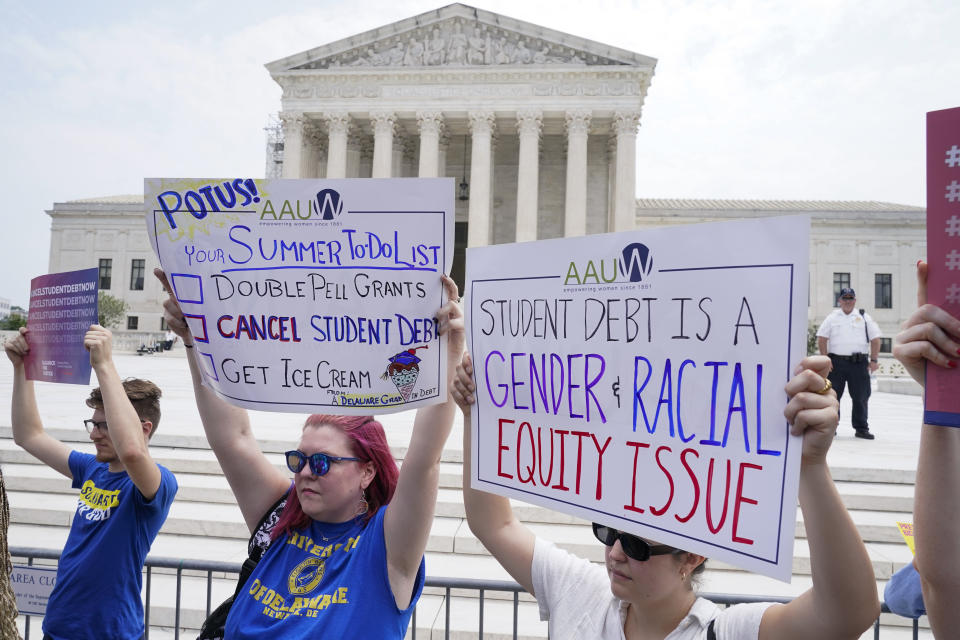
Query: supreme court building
{"points": [[537, 127]]}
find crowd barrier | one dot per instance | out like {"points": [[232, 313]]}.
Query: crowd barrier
{"points": [[23, 555]]}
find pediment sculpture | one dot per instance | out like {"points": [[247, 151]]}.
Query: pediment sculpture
{"points": [[458, 42]]}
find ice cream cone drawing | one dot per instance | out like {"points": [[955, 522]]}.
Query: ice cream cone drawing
{"points": [[403, 370]]}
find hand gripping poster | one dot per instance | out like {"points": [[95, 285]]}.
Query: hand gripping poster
{"points": [[310, 295], [636, 379]]}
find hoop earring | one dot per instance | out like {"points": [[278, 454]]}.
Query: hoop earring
{"points": [[683, 576], [363, 507]]}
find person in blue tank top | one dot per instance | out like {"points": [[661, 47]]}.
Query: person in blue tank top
{"points": [[346, 555], [124, 495]]}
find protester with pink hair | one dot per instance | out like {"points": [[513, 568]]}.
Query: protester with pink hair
{"points": [[345, 556]]}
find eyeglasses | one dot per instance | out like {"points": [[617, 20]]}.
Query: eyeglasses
{"points": [[319, 462], [90, 424], [633, 546]]}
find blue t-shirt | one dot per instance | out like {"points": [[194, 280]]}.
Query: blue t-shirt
{"points": [[903, 594], [97, 594], [329, 580]]}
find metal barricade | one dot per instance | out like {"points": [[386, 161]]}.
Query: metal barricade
{"points": [[481, 587]]}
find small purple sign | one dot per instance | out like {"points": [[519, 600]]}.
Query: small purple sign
{"points": [[62, 308]]}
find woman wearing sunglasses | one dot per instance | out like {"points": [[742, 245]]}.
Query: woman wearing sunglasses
{"points": [[346, 554], [646, 590]]}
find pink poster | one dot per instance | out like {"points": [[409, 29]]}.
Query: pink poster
{"points": [[62, 308], [942, 401]]}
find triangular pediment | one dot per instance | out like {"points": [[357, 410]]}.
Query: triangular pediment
{"points": [[459, 36]]}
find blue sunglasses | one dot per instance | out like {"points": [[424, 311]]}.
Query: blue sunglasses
{"points": [[319, 462]]}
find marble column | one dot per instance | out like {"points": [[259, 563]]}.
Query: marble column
{"points": [[360, 156], [625, 125], [482, 124], [431, 127], [611, 179], [292, 123], [575, 209], [442, 154], [384, 124], [529, 125], [338, 127], [398, 158], [313, 150]]}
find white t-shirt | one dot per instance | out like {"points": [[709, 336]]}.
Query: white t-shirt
{"points": [[574, 596], [845, 333]]}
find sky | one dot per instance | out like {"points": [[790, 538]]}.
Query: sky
{"points": [[752, 99]]}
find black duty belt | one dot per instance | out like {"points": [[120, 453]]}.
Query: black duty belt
{"points": [[856, 357]]}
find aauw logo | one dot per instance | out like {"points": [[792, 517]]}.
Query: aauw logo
{"points": [[637, 262], [633, 265], [328, 204]]}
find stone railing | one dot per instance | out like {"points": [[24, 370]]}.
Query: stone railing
{"points": [[890, 367]]}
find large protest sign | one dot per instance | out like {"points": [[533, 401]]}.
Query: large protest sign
{"points": [[310, 295], [636, 379], [62, 308], [941, 400]]}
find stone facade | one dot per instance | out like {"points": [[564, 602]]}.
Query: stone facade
{"points": [[539, 125], [83, 233], [862, 239]]}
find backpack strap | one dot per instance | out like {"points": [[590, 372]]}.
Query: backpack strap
{"points": [[260, 541], [711, 634]]}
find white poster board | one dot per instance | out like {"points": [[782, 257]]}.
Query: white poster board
{"points": [[636, 379], [310, 295]]}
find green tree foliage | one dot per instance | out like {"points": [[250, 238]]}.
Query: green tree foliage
{"points": [[812, 348], [111, 310], [13, 322]]}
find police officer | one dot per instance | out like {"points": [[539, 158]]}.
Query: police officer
{"points": [[848, 336]]}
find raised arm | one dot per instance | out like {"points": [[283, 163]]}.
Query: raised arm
{"points": [[255, 482], [843, 600], [127, 433], [28, 429], [490, 516], [931, 337], [410, 513]]}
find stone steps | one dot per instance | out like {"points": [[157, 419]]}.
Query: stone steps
{"points": [[40, 496]]}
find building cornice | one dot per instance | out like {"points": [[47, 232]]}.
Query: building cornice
{"points": [[420, 26]]}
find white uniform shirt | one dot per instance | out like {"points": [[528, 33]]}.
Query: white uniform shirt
{"points": [[845, 334], [574, 595]]}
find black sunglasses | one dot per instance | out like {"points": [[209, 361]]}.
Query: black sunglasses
{"points": [[319, 462], [633, 546]]}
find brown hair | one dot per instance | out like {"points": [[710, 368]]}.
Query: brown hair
{"points": [[143, 395]]}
